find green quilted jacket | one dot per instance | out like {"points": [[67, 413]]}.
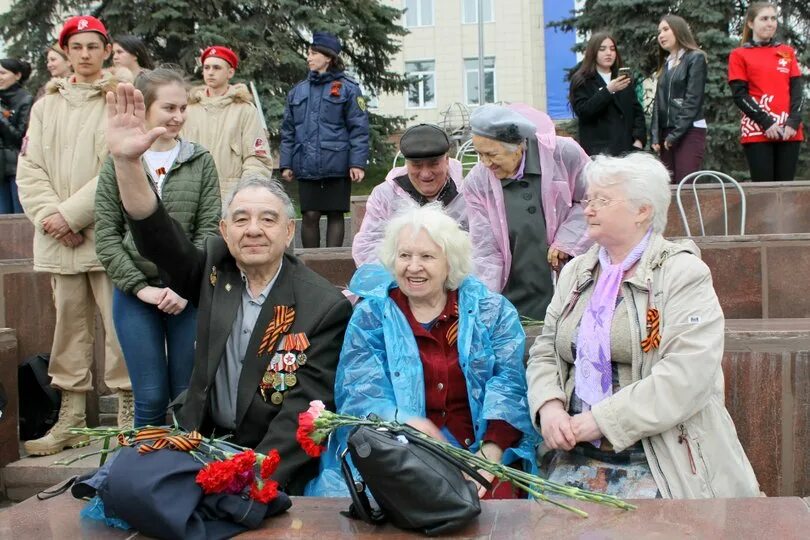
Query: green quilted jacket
{"points": [[191, 196]]}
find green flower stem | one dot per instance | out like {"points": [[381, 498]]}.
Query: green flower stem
{"points": [[536, 486], [89, 454], [104, 451]]}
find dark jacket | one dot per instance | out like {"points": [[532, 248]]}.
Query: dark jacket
{"points": [[210, 280], [679, 97], [191, 196], [156, 493], [324, 131], [608, 123], [15, 109]]}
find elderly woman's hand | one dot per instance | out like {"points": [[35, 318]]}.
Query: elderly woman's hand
{"points": [[427, 427], [492, 452], [556, 426], [585, 427], [557, 258]]}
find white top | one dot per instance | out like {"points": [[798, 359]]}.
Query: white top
{"points": [[159, 164], [605, 76], [672, 60]]}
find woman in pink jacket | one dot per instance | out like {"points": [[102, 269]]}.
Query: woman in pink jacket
{"points": [[523, 204]]}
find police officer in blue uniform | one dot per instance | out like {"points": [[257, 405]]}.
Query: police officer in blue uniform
{"points": [[324, 140]]}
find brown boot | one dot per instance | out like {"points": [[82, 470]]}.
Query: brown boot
{"points": [[126, 410], [71, 415]]}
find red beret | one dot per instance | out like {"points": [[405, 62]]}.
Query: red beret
{"points": [[79, 24], [221, 52]]}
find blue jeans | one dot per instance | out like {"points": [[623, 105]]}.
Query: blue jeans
{"points": [[159, 352], [9, 200]]}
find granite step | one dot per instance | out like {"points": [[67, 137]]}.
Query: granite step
{"points": [[30, 475]]}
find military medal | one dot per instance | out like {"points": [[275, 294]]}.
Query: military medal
{"points": [[276, 364], [279, 376], [212, 277]]}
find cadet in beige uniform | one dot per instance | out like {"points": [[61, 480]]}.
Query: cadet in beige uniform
{"points": [[223, 118], [57, 175]]}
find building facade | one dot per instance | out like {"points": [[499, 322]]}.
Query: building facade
{"points": [[522, 58]]}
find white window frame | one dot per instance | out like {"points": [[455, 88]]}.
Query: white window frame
{"points": [[420, 17], [432, 73], [492, 70], [473, 18]]}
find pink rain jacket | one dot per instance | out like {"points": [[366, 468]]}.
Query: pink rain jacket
{"points": [[561, 188], [385, 200]]}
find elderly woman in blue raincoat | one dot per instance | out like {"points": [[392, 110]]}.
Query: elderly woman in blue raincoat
{"points": [[431, 346]]}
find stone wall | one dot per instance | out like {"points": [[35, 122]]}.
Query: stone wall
{"points": [[9, 445], [771, 208]]}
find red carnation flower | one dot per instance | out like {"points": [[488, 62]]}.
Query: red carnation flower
{"points": [[217, 476], [266, 493], [228, 476], [270, 464], [303, 435]]}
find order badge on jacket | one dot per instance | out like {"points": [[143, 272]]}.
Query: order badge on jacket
{"points": [[280, 374]]}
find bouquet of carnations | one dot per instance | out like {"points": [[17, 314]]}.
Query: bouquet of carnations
{"points": [[316, 424], [227, 467]]}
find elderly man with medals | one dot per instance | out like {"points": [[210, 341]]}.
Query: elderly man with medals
{"points": [[269, 329]]}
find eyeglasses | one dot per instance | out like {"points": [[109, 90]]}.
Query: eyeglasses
{"points": [[598, 204]]}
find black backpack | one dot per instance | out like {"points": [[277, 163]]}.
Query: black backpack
{"points": [[39, 401]]}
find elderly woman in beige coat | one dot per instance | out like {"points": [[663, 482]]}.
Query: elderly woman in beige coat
{"points": [[625, 382]]}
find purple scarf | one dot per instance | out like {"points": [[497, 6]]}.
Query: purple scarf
{"points": [[592, 368]]}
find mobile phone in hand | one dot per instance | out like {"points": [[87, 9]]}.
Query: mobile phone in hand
{"points": [[625, 72]]}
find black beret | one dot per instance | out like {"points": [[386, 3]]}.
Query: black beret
{"points": [[424, 141]]}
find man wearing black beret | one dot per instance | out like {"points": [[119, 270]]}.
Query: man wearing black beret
{"points": [[429, 175]]}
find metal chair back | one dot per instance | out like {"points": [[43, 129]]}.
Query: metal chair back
{"points": [[465, 154], [711, 176], [397, 157]]}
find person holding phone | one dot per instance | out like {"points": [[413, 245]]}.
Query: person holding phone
{"points": [[602, 95], [766, 82], [678, 125]]}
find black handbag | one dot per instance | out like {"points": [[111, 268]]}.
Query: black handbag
{"points": [[415, 485]]}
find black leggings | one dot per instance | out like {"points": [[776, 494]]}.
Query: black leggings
{"points": [[311, 229], [772, 161]]}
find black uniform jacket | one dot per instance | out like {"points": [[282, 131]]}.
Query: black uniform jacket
{"points": [[210, 280], [608, 123]]}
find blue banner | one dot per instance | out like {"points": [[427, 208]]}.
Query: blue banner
{"points": [[559, 58]]}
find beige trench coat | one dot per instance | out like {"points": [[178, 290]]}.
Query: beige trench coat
{"points": [[677, 390]]}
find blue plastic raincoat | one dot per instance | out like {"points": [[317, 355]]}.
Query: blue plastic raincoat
{"points": [[380, 370]]}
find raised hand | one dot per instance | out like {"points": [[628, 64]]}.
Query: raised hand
{"points": [[127, 136]]}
